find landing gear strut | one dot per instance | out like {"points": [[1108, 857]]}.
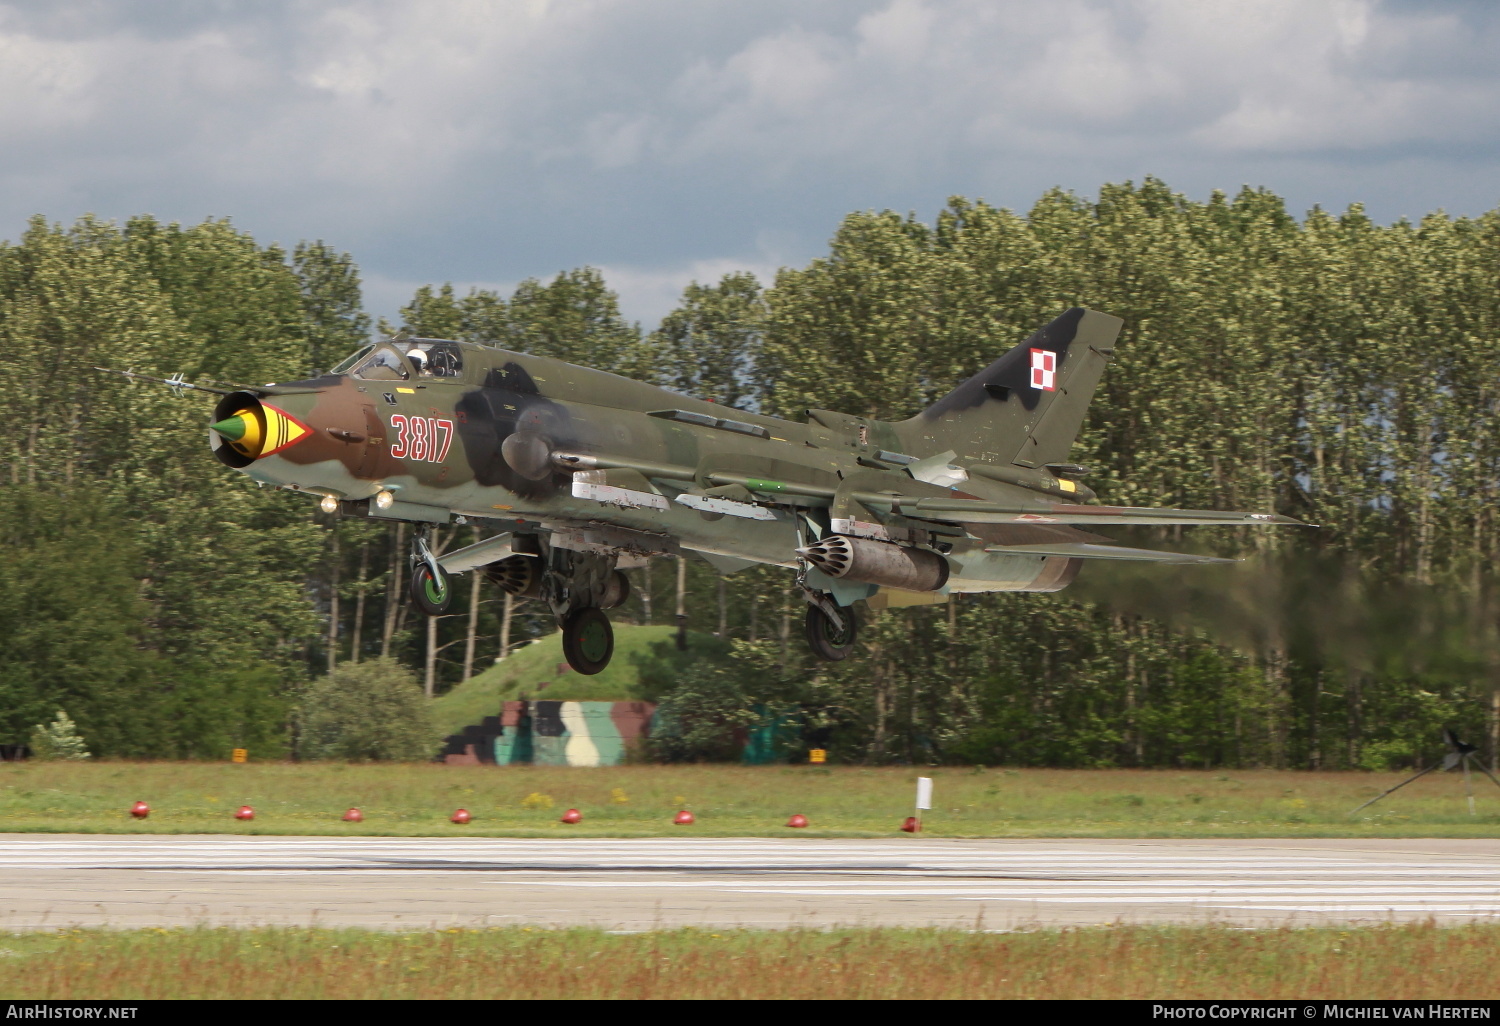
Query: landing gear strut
{"points": [[431, 587], [831, 628], [577, 586]]}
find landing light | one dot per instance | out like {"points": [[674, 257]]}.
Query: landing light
{"points": [[383, 499], [330, 504]]}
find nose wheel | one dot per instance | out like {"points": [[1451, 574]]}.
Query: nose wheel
{"points": [[432, 592], [588, 640], [431, 587]]}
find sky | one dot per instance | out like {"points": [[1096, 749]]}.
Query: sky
{"points": [[486, 141]]}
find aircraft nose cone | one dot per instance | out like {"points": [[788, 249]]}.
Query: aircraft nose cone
{"points": [[243, 430], [232, 428], [255, 429]]}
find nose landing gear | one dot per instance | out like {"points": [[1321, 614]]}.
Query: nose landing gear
{"points": [[431, 587]]}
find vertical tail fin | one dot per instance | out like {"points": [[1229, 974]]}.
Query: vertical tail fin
{"points": [[1026, 407]]}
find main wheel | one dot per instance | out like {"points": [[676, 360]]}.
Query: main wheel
{"points": [[588, 640], [827, 641], [432, 594]]}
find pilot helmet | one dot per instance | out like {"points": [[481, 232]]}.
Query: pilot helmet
{"points": [[418, 359]]}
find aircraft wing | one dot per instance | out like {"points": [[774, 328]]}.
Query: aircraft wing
{"points": [[979, 511], [952, 510], [1084, 550]]}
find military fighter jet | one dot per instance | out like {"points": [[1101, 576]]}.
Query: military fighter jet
{"points": [[587, 473]]}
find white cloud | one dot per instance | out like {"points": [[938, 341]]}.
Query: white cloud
{"points": [[479, 141], [1214, 75], [647, 294]]}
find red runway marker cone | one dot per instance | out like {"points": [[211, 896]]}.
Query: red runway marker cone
{"points": [[572, 816], [354, 816], [461, 816], [140, 810], [798, 820], [245, 812], [911, 825], [683, 818]]}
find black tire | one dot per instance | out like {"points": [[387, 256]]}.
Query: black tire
{"points": [[588, 640], [432, 594], [826, 640]]}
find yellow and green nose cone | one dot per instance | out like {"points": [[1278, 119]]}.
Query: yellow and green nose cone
{"points": [[242, 431], [259, 433]]}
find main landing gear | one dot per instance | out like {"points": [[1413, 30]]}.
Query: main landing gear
{"points": [[829, 640], [577, 586], [831, 629], [588, 640]]}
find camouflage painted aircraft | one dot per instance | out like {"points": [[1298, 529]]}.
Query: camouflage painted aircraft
{"points": [[586, 473]]}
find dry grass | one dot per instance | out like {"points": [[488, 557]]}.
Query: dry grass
{"points": [[1415, 961], [730, 800]]}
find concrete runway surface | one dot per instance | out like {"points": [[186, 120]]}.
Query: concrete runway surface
{"points": [[53, 881]]}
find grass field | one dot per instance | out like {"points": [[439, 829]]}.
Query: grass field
{"points": [[1417, 961], [309, 798]]}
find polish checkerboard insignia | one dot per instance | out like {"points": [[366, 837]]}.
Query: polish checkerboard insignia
{"points": [[1044, 370]]}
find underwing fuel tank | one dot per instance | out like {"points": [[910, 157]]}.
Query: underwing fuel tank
{"points": [[865, 561]]}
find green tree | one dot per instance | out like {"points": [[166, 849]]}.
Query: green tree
{"points": [[134, 556], [1326, 366], [434, 314], [332, 311], [709, 346], [574, 317], [58, 740]]}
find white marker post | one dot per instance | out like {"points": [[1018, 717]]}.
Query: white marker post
{"points": [[924, 799]]}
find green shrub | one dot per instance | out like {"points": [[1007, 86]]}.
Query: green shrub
{"points": [[698, 719], [373, 711], [58, 740]]}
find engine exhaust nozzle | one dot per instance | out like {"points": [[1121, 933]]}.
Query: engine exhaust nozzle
{"points": [[865, 561]]}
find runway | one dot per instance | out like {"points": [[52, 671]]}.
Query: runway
{"points": [[55, 881]]}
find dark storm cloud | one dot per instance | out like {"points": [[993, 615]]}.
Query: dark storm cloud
{"points": [[485, 142]]}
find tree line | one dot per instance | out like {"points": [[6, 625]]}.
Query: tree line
{"points": [[1328, 367]]}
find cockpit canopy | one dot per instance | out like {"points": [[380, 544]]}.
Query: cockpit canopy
{"points": [[404, 359]]}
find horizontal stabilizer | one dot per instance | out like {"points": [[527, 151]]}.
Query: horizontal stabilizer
{"points": [[1083, 550]]}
